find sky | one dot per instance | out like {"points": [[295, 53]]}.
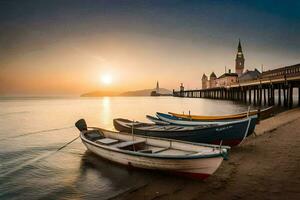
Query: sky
{"points": [[69, 47]]}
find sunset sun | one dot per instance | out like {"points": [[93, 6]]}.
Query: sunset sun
{"points": [[106, 79]]}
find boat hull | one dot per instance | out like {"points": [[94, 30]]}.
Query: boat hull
{"points": [[264, 113], [197, 168], [231, 134]]}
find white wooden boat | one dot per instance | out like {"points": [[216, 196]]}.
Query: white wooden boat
{"points": [[184, 158]]}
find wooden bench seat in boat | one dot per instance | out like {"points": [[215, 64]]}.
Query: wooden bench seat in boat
{"points": [[107, 141], [131, 145], [157, 150]]}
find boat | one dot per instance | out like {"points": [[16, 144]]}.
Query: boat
{"points": [[171, 119], [230, 134], [156, 120], [264, 113], [184, 158]]}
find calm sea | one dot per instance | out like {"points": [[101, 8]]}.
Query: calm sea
{"points": [[32, 129]]}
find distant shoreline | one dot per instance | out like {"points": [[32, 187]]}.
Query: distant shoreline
{"points": [[143, 92], [7, 98]]}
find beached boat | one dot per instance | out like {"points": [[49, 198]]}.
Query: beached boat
{"points": [[171, 119], [230, 134], [184, 158], [262, 114]]}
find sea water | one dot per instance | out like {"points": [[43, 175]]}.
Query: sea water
{"points": [[32, 129]]}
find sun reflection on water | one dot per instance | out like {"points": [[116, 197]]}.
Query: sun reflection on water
{"points": [[105, 112]]}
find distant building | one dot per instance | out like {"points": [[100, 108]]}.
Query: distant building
{"points": [[181, 87], [250, 75], [160, 91], [209, 83], [156, 91], [181, 90], [239, 60], [212, 80], [204, 81], [227, 79], [157, 87]]}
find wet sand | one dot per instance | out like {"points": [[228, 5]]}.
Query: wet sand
{"points": [[265, 166]]}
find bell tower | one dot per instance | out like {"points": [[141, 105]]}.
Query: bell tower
{"points": [[239, 60]]}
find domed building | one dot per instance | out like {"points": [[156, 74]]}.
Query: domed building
{"points": [[212, 80], [209, 83]]}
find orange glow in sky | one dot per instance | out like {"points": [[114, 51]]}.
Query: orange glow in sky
{"points": [[68, 49]]}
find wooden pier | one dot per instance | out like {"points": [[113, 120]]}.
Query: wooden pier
{"points": [[272, 87]]}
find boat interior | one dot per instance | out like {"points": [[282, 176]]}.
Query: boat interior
{"points": [[145, 145]]}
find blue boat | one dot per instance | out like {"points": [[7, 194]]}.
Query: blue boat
{"points": [[230, 134]]}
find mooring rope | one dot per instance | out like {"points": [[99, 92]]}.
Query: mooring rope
{"points": [[67, 143]]}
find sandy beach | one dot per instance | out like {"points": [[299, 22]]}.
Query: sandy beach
{"points": [[265, 166]]}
